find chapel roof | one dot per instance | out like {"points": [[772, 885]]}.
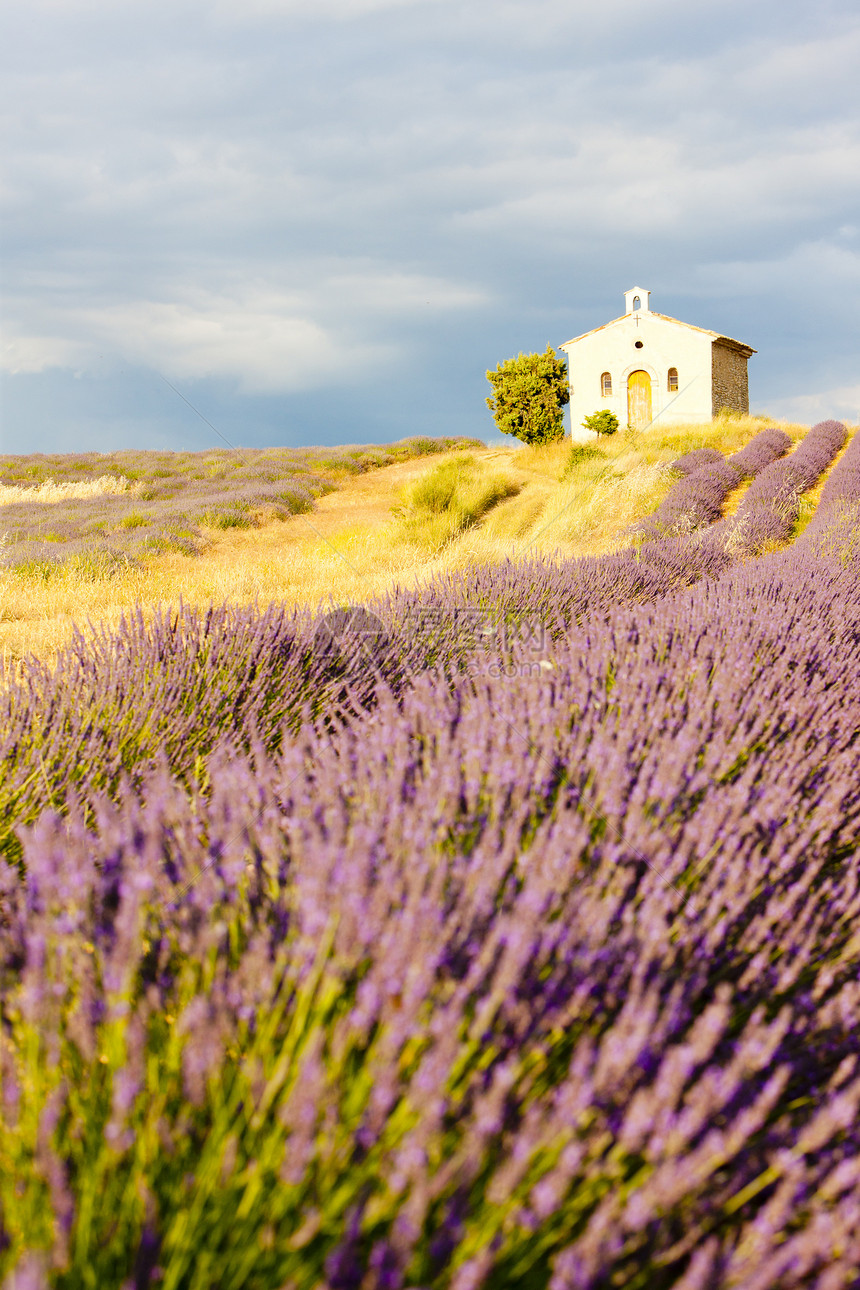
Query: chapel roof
{"points": [[718, 336]]}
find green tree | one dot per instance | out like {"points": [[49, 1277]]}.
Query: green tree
{"points": [[604, 422], [529, 394]]}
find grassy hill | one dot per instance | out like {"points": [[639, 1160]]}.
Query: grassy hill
{"points": [[88, 537]]}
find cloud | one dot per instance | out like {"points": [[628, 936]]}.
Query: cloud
{"points": [[843, 403], [264, 338], [695, 146], [252, 338], [828, 268], [26, 354]]}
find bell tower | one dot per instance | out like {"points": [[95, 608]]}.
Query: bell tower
{"points": [[637, 300]]}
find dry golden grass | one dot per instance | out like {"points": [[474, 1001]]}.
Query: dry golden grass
{"points": [[591, 511], [354, 545], [49, 491]]}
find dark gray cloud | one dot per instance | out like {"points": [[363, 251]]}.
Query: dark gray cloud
{"points": [[323, 221]]}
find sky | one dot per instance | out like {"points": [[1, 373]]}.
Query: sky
{"points": [[295, 222]]}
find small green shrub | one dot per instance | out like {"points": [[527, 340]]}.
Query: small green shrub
{"points": [[238, 516], [295, 503], [603, 422], [580, 453], [183, 542], [234, 520], [156, 493], [423, 447], [319, 487]]}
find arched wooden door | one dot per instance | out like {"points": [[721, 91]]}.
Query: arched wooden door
{"points": [[639, 400]]}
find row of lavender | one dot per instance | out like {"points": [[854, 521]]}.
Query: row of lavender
{"points": [[770, 507], [544, 980], [766, 515], [768, 510], [707, 479]]}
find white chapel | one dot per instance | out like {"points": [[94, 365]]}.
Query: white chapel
{"points": [[644, 366]]}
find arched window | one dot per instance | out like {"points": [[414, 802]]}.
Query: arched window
{"points": [[637, 303], [606, 385], [673, 379]]}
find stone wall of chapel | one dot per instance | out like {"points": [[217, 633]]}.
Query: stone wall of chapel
{"points": [[729, 379]]}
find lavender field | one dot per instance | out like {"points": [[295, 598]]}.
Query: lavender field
{"points": [[498, 934], [102, 511]]}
